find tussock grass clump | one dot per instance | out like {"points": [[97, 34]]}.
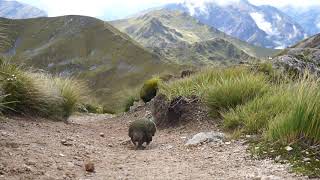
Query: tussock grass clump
{"points": [[199, 83], [27, 92], [72, 92], [222, 89], [149, 89], [287, 113], [229, 93], [303, 120], [254, 116]]}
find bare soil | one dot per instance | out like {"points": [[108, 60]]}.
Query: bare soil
{"points": [[42, 149]]}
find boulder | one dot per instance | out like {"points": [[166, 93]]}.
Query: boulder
{"points": [[205, 137]]}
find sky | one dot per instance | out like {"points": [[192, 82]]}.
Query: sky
{"points": [[114, 9]]}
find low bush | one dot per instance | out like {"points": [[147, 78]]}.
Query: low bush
{"points": [[129, 102], [149, 89]]}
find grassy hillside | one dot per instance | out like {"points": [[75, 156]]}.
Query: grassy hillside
{"points": [[168, 31], [86, 48]]}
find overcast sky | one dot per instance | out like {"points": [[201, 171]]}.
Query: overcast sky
{"points": [[122, 8]]}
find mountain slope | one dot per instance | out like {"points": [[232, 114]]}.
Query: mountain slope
{"points": [[259, 25], [169, 33], [17, 10], [84, 47], [308, 18]]}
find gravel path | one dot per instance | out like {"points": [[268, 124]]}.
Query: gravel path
{"points": [[40, 149]]}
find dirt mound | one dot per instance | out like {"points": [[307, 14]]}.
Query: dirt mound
{"points": [[179, 111]]}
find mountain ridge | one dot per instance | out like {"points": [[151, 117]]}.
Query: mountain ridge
{"points": [[18, 10], [167, 32], [259, 25]]}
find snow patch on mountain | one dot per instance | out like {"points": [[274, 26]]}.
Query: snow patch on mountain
{"points": [[262, 23], [295, 32], [278, 17]]}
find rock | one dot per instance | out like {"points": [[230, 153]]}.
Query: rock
{"points": [[67, 142], [101, 135], [4, 133], [278, 158], [62, 155], [110, 145], [136, 106], [126, 142], [70, 165], [205, 137], [227, 143], [288, 148], [306, 159], [89, 166], [296, 60], [167, 147]]}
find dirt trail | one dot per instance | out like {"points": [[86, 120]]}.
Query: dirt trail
{"points": [[39, 149]]}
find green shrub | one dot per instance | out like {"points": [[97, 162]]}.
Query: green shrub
{"points": [[129, 102], [149, 89]]}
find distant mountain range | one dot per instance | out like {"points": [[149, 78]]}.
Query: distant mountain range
{"points": [[17, 10], [264, 26], [308, 17], [179, 37]]}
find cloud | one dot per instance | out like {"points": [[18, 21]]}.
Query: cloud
{"points": [[93, 7], [281, 3], [123, 8]]}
